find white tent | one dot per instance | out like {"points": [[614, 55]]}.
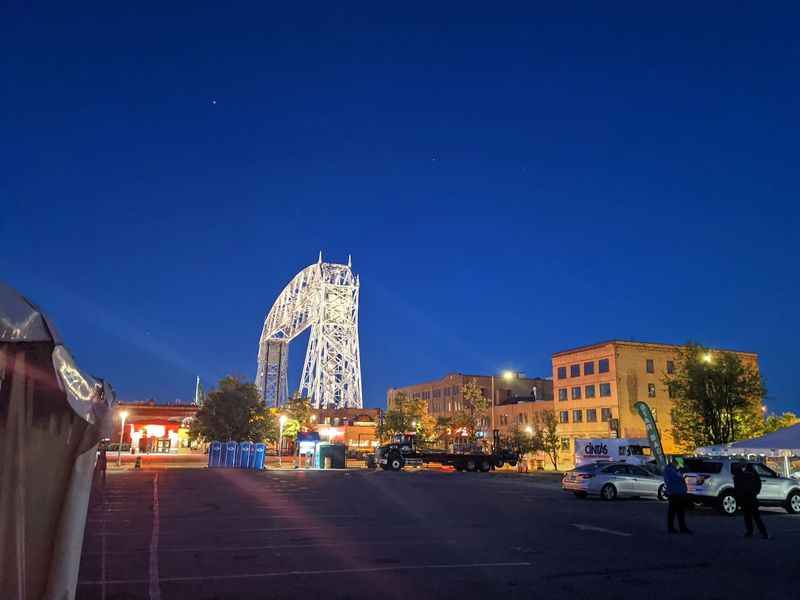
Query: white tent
{"points": [[784, 443]]}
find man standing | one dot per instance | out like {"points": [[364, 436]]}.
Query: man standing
{"points": [[676, 490], [746, 487]]}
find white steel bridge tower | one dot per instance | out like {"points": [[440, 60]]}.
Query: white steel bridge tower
{"points": [[324, 297]]}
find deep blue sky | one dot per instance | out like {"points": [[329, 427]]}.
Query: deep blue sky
{"points": [[510, 181]]}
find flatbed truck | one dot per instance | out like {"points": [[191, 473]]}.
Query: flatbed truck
{"points": [[403, 451]]}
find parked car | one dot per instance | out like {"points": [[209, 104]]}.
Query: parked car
{"points": [[709, 481], [611, 481]]}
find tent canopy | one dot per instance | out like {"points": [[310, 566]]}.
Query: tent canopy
{"points": [[784, 442]]}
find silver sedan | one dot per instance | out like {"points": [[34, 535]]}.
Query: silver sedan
{"points": [[611, 481]]}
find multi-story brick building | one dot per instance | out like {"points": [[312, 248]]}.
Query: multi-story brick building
{"points": [[596, 386], [516, 397]]}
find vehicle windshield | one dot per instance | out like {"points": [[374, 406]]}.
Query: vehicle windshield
{"points": [[699, 465]]}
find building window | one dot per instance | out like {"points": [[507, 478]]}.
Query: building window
{"points": [[574, 370], [602, 365], [564, 416], [605, 390], [588, 368], [562, 394], [455, 390], [591, 415], [651, 390], [519, 418], [670, 366], [590, 391], [565, 443], [447, 391], [437, 393], [605, 414], [577, 416], [671, 392], [562, 372], [576, 393], [649, 366]]}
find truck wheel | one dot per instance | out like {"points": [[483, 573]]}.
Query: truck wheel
{"points": [[472, 466], [486, 466], [499, 464], [396, 462]]}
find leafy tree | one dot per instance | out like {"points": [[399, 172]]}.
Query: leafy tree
{"points": [[776, 422], [545, 435], [264, 425], [718, 398], [407, 415], [300, 410], [474, 409], [520, 441], [290, 429], [232, 411]]}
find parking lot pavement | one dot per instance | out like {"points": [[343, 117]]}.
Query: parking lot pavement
{"points": [[228, 534]]}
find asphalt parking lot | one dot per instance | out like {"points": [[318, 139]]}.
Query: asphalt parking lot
{"points": [[227, 534]]}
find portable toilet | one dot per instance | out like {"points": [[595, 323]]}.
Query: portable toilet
{"points": [[243, 457], [230, 454], [215, 454], [257, 456]]}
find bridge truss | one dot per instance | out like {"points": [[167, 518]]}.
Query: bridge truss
{"points": [[324, 297]]}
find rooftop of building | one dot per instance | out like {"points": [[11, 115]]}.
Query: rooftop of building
{"points": [[639, 343], [520, 376]]}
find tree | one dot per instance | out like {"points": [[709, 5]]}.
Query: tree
{"points": [[474, 408], [718, 398], [521, 441], [300, 410], [776, 422], [545, 435], [408, 414], [232, 411]]}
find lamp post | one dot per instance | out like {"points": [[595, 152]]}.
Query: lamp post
{"points": [[281, 423], [122, 415], [508, 376]]}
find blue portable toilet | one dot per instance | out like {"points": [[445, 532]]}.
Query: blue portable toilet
{"points": [[230, 454], [243, 458], [215, 454], [257, 461]]}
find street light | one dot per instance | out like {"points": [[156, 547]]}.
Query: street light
{"points": [[529, 430], [706, 358], [281, 422], [122, 415], [508, 376]]}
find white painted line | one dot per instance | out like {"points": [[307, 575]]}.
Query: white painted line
{"points": [[154, 589], [601, 530], [337, 544], [317, 572]]}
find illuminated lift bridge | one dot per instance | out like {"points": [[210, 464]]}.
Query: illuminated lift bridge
{"points": [[324, 297]]}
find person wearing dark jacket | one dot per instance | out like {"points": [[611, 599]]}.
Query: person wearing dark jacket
{"points": [[676, 490], [746, 487]]}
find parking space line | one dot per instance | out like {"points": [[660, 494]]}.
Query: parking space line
{"points": [[601, 530], [337, 544], [154, 589], [269, 574]]}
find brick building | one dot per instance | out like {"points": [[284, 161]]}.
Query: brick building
{"points": [[596, 386], [516, 397]]}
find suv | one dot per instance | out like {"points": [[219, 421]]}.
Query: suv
{"points": [[710, 481]]}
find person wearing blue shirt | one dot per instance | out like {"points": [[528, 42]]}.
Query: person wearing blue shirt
{"points": [[676, 490]]}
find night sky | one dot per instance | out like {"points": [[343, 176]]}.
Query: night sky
{"points": [[510, 181]]}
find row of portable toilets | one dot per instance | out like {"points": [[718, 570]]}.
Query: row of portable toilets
{"points": [[236, 455]]}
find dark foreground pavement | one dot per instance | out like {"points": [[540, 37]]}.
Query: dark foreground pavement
{"points": [[226, 534]]}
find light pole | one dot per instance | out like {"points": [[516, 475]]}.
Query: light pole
{"points": [[122, 415], [508, 376], [281, 423]]}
